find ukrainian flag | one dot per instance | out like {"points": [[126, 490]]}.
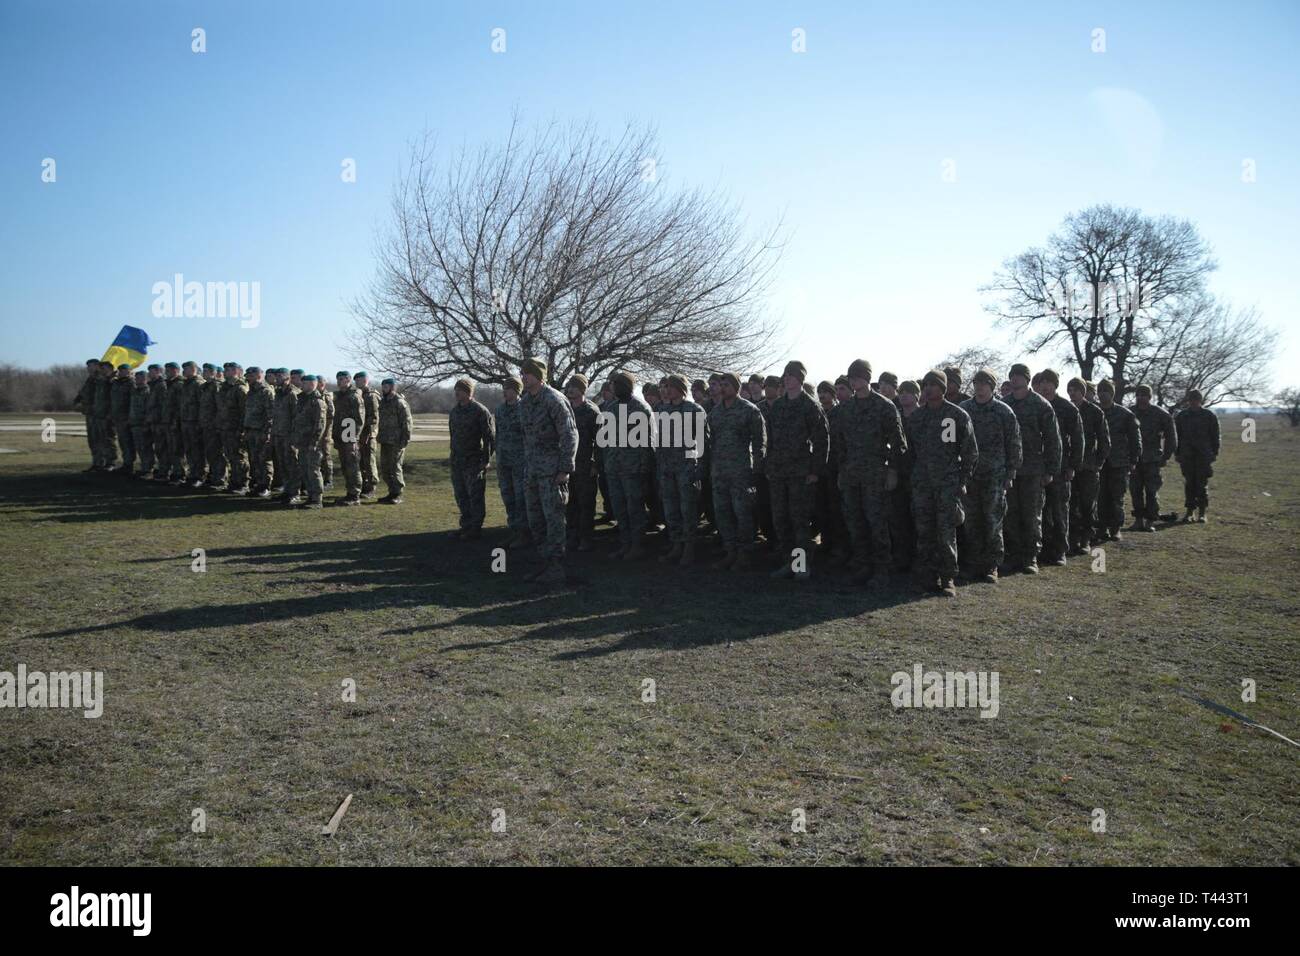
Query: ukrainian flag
{"points": [[130, 347]]}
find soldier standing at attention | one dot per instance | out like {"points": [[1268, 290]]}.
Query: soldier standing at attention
{"points": [[326, 441], [954, 394], [310, 422], [369, 435], [348, 425], [104, 416], [121, 414], [85, 403], [550, 446], [473, 440], [394, 435], [1040, 443], [997, 436], [175, 464], [1056, 507], [208, 425], [191, 433], [1096, 448], [678, 466], [828, 509], [1198, 447], [605, 401], [629, 459], [512, 470], [157, 432], [580, 513], [257, 433], [945, 456], [139, 424], [1159, 444], [230, 418], [797, 448], [1125, 453], [902, 526], [286, 470], [738, 442]]}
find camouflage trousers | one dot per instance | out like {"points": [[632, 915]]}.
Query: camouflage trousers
{"points": [[126, 440], [143, 437], [547, 502], [1110, 497], [902, 526], [828, 514], [350, 465], [158, 433], [792, 507], [309, 472], [512, 482], [1083, 508], [679, 492], [866, 513], [1197, 470], [369, 464], [1144, 487], [236, 457], [469, 483], [91, 441], [390, 466], [175, 450], [627, 496], [192, 438], [580, 513], [258, 442], [733, 509], [938, 513], [214, 453], [105, 441], [288, 475], [1056, 518], [1023, 530], [326, 460], [763, 506], [986, 507]]}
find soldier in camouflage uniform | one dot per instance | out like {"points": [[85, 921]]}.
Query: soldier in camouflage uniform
{"points": [[175, 465], [954, 393], [349, 425], [682, 437], [230, 417], [1125, 453], [120, 409], [738, 446], [104, 417], [550, 446], [511, 469], [327, 440], [473, 439], [798, 442], [1198, 447], [997, 437], [627, 439], [1096, 448], [191, 432], [369, 435], [85, 403], [138, 422], [1159, 444], [828, 509], [945, 455], [257, 432], [157, 428], [1056, 503], [394, 435], [902, 523], [580, 513], [869, 442], [310, 425], [1040, 443], [209, 426], [287, 472]]}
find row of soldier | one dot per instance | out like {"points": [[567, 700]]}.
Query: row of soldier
{"points": [[889, 476], [246, 432]]}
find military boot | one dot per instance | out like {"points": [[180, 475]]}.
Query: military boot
{"points": [[1200, 516], [1187, 518], [311, 504], [948, 588], [688, 555]]}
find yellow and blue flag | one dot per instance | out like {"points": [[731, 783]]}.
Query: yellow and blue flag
{"points": [[129, 348]]}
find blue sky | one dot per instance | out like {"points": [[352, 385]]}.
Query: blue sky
{"points": [[225, 166]]}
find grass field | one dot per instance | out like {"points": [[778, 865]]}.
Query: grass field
{"points": [[478, 692]]}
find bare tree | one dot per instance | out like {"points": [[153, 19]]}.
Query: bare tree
{"points": [[1102, 278], [973, 358], [1288, 401], [566, 247]]}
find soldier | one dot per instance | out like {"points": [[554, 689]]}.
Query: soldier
{"points": [[1096, 448], [1040, 443], [231, 401], [797, 447], [605, 401], [869, 441], [997, 437], [138, 421], [738, 441], [394, 435], [210, 427], [511, 468], [829, 509], [104, 416], [348, 426], [1125, 453], [1198, 447], [653, 397], [902, 525], [473, 440], [286, 464], [887, 385], [1056, 504], [580, 513], [945, 455], [550, 446], [768, 393], [327, 440], [702, 396], [191, 432], [257, 433], [627, 438], [172, 424], [157, 425], [678, 462], [85, 402], [310, 421], [369, 458], [954, 394], [1159, 444], [120, 411]]}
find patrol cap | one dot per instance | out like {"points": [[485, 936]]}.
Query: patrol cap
{"points": [[889, 378], [935, 377], [1020, 368], [842, 380], [1106, 385], [1078, 383], [758, 378], [860, 368], [797, 368]]}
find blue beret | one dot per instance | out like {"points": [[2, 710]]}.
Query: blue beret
{"points": [[172, 365], [208, 366], [342, 374], [309, 378], [389, 381], [362, 374], [155, 365]]}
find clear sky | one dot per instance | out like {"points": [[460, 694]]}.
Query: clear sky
{"points": [[225, 165]]}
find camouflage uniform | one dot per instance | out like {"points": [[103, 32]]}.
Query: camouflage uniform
{"points": [[1056, 500], [310, 427], [104, 422], [997, 437], [511, 469], [120, 409], [1125, 453], [175, 464], [85, 401], [944, 457], [1040, 443], [230, 416], [1159, 444], [902, 523], [762, 490], [627, 468], [257, 434], [394, 435], [679, 468], [191, 433], [550, 446], [287, 471], [798, 443], [1198, 447], [738, 446], [211, 429], [139, 425], [369, 441], [349, 420], [473, 438], [1083, 493], [829, 507], [580, 513], [158, 427], [869, 441], [326, 440]]}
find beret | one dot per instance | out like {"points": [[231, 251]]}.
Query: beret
{"points": [[342, 374], [124, 365], [362, 374], [172, 365], [794, 367], [309, 378], [253, 368], [296, 371], [1020, 368], [935, 377], [889, 378], [189, 364], [139, 373], [533, 367], [208, 366], [155, 365], [92, 361], [389, 381], [860, 368]]}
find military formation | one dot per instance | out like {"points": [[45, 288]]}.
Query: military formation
{"points": [[268, 435]]}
